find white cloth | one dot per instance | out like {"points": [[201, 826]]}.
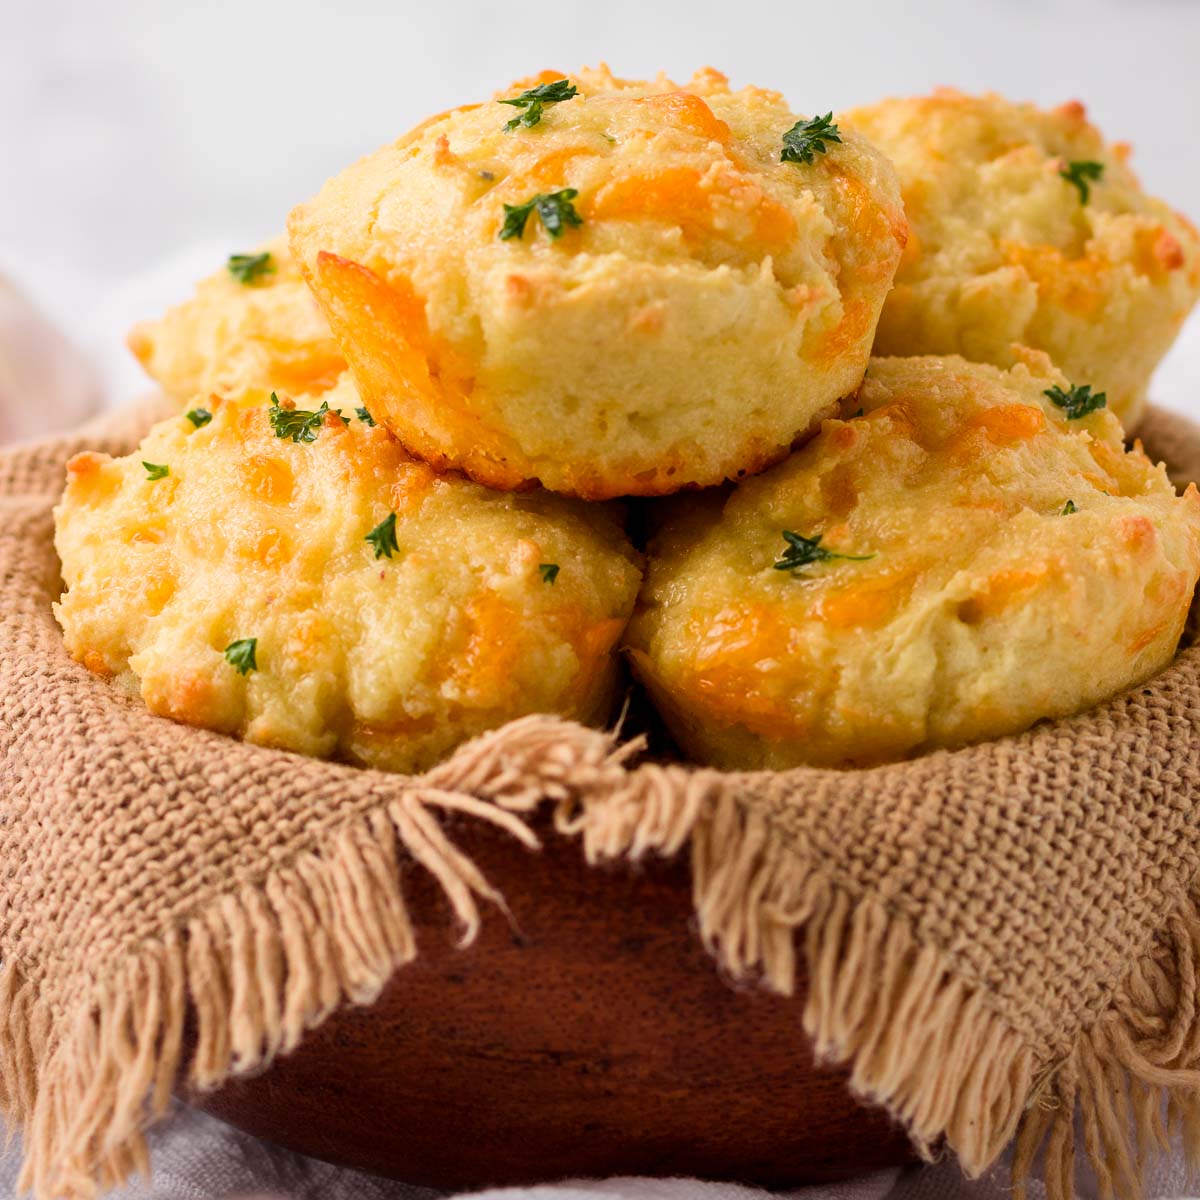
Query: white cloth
{"points": [[197, 1157]]}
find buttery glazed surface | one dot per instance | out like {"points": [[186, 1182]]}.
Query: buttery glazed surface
{"points": [[387, 661], [714, 303], [982, 609], [1003, 250]]}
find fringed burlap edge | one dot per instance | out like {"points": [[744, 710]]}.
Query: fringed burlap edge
{"points": [[267, 960], [918, 1040], [275, 957]]}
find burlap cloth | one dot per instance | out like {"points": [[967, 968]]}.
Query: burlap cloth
{"points": [[994, 938]]}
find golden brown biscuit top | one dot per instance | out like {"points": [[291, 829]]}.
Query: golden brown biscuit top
{"points": [[663, 173], [995, 182], [937, 456], [954, 497], [395, 611], [264, 331], [632, 292]]}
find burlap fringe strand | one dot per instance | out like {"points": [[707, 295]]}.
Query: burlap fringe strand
{"points": [[274, 958]]}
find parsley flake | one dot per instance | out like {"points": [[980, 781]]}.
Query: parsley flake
{"points": [[383, 537], [241, 655], [1078, 401], [549, 571], [534, 101], [156, 470], [198, 416], [807, 138], [802, 551], [297, 423], [364, 416], [1068, 509], [251, 268], [1077, 174], [555, 211]]}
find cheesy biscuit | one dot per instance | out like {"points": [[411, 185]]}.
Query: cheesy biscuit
{"points": [[957, 557], [647, 286], [252, 324], [1028, 227], [294, 578]]}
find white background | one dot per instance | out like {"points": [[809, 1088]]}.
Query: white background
{"points": [[131, 129]]}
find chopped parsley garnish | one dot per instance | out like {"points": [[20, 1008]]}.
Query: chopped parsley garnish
{"points": [[555, 210], [156, 470], [241, 655], [1078, 402], [198, 416], [534, 101], [1068, 509], [297, 423], [549, 571], [383, 537], [807, 138], [365, 417], [1077, 174], [802, 551], [251, 268]]}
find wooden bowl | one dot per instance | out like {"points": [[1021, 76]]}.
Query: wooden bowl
{"points": [[599, 1040]]}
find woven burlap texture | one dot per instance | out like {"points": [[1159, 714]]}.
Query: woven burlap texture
{"points": [[994, 938]]}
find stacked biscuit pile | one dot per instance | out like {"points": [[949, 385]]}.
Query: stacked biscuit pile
{"points": [[389, 516]]}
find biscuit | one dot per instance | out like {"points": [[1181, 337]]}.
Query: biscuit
{"points": [[462, 609], [686, 306], [1015, 240], [965, 559], [231, 336]]}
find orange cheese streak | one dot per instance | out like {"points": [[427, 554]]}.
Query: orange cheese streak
{"points": [[728, 676], [189, 697], [1075, 284], [593, 642], [1002, 591], [688, 111], [95, 662], [846, 333], [549, 170], [488, 668], [866, 603], [673, 194], [415, 379], [678, 196], [1009, 424], [268, 478], [358, 292], [272, 547], [413, 485], [868, 221]]}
